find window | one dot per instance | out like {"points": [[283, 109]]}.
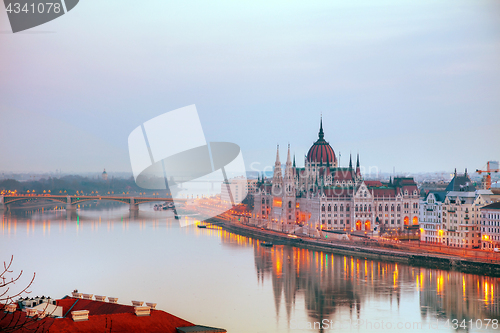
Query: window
{"points": [[289, 204], [323, 208], [341, 208], [329, 208], [335, 208], [347, 208], [386, 208]]}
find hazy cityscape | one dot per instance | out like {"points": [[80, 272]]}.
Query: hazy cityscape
{"points": [[249, 167]]}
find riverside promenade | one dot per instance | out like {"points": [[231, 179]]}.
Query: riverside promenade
{"points": [[488, 264]]}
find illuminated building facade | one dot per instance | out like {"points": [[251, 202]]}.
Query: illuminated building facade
{"points": [[431, 217], [461, 212], [324, 196], [490, 225]]}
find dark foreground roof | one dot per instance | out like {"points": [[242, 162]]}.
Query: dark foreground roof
{"points": [[495, 205], [103, 317]]}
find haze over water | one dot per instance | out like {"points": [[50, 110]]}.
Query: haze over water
{"points": [[215, 278]]}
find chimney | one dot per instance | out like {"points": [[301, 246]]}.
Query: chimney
{"points": [[137, 303], [80, 315], [76, 294], [142, 310], [41, 314], [31, 312], [100, 298], [113, 300], [88, 296], [11, 307], [152, 306]]}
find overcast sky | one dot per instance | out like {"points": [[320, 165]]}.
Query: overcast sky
{"points": [[413, 85]]}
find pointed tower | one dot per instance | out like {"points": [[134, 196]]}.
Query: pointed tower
{"points": [[350, 162], [358, 170], [289, 195], [277, 189]]}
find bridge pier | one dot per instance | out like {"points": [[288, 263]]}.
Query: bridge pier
{"points": [[133, 206], [70, 207], [2, 204]]}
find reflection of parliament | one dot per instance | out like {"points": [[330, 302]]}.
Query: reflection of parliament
{"points": [[323, 195]]}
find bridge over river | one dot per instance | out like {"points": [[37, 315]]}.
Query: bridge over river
{"points": [[72, 201]]}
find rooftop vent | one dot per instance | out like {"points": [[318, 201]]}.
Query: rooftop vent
{"points": [[41, 314], [76, 294], [137, 303], [142, 310], [80, 315], [152, 306], [113, 300], [31, 312], [100, 298], [10, 308], [88, 296]]}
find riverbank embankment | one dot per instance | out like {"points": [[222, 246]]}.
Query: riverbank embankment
{"points": [[368, 249]]}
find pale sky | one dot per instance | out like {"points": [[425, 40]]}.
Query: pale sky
{"points": [[413, 85]]}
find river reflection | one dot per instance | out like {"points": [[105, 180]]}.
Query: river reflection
{"points": [[255, 288]]}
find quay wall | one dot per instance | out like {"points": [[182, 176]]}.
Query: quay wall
{"points": [[368, 251]]}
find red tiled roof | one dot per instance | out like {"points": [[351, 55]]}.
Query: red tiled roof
{"points": [[384, 192], [341, 175], [103, 316]]}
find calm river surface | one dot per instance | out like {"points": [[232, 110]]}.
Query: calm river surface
{"points": [[215, 278]]}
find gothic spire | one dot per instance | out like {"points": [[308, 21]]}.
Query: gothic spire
{"points": [[350, 161], [294, 161], [321, 135]]}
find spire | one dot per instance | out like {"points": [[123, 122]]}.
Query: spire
{"points": [[288, 160], [350, 161], [294, 161], [321, 135], [390, 180], [455, 171], [358, 170], [465, 172], [277, 178]]}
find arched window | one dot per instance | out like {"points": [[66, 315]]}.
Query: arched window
{"points": [[369, 208], [365, 208], [347, 208], [323, 208], [386, 208], [380, 208], [335, 208], [289, 204], [263, 200], [399, 208], [356, 208], [392, 208], [341, 208], [329, 208]]}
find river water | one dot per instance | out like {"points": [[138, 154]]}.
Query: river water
{"points": [[216, 278]]}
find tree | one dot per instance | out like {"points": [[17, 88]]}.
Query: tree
{"points": [[9, 322]]}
